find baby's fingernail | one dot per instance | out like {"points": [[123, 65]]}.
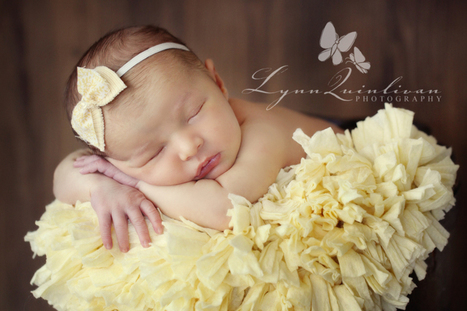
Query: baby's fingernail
{"points": [[108, 246], [145, 244], [159, 230]]}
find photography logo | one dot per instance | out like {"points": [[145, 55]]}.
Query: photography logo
{"points": [[335, 48]]}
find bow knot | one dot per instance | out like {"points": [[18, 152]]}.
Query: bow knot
{"points": [[98, 87]]}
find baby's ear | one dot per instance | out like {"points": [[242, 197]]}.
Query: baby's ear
{"points": [[215, 76]]}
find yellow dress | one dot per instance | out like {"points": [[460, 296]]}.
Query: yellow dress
{"points": [[342, 230]]}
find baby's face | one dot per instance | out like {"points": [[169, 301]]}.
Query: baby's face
{"points": [[182, 129]]}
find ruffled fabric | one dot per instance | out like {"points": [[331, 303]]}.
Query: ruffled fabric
{"points": [[343, 230]]}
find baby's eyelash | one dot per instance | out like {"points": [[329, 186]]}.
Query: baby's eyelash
{"points": [[197, 112], [159, 151], [156, 154]]}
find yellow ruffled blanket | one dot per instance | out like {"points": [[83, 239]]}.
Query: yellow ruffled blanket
{"points": [[342, 230]]}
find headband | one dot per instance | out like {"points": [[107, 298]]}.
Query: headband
{"points": [[98, 87]]}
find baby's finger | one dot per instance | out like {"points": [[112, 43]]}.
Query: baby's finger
{"points": [[122, 177], [121, 230], [148, 209], [105, 225], [141, 227], [78, 162], [84, 160], [96, 164], [88, 169]]}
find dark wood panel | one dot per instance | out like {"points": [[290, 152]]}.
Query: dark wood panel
{"points": [[421, 41]]}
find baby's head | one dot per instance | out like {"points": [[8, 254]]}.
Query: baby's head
{"points": [[172, 123]]}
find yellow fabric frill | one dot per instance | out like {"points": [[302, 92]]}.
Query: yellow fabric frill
{"points": [[342, 230]]}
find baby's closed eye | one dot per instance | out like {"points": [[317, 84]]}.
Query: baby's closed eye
{"points": [[194, 113], [156, 154]]}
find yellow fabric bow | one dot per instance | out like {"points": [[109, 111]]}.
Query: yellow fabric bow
{"points": [[98, 87]]}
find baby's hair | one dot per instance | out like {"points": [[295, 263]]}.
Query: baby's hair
{"points": [[115, 49]]}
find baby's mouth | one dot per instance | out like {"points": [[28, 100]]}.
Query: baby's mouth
{"points": [[207, 166]]}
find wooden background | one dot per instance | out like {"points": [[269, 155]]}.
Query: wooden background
{"points": [[422, 41]]}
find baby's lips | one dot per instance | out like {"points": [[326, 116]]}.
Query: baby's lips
{"points": [[208, 166]]}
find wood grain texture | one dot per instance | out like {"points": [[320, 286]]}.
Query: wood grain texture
{"points": [[424, 42]]}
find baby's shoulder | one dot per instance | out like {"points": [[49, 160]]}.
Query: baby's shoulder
{"points": [[245, 109], [262, 129], [254, 112], [281, 118]]}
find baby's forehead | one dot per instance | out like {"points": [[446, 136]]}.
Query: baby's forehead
{"points": [[142, 84], [162, 66], [130, 125]]}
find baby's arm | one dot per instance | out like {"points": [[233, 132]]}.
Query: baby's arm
{"points": [[112, 201], [204, 202]]}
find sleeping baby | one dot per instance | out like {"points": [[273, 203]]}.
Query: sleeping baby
{"points": [[163, 133]]}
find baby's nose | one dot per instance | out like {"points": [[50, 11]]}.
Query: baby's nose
{"points": [[189, 147]]}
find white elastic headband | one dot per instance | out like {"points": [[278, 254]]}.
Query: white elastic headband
{"points": [[98, 87], [149, 52]]}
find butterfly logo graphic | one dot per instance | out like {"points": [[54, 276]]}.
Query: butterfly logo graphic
{"points": [[358, 60], [334, 45]]}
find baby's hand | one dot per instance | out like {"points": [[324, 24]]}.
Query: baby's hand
{"points": [[116, 202], [95, 164]]}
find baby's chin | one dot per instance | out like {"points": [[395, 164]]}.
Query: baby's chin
{"points": [[167, 182], [217, 172], [220, 170]]}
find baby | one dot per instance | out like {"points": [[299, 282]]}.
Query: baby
{"points": [[165, 134]]}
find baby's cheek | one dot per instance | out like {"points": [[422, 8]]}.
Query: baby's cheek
{"points": [[148, 175], [162, 174]]}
